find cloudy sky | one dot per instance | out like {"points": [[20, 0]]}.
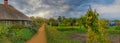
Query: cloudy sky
{"points": [[108, 9]]}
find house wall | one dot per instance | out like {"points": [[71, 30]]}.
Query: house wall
{"points": [[8, 22]]}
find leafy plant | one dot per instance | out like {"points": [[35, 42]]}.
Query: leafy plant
{"points": [[8, 34], [18, 26], [55, 36], [96, 28]]}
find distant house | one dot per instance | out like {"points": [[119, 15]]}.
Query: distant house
{"points": [[73, 23], [9, 15]]}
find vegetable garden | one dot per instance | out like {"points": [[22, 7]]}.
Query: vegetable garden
{"points": [[86, 29]]}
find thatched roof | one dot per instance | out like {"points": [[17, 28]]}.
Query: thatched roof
{"points": [[10, 13]]}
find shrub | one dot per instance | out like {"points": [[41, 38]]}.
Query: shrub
{"points": [[65, 29], [18, 26], [117, 28], [10, 34], [24, 34]]}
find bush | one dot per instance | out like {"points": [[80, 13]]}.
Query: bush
{"points": [[118, 28], [33, 28], [65, 29], [25, 34], [18, 26], [72, 28], [10, 34]]}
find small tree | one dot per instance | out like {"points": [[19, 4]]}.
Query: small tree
{"points": [[95, 29]]}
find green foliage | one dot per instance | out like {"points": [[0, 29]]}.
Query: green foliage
{"points": [[55, 36], [114, 30], [59, 18], [117, 28], [24, 34], [37, 21], [52, 22], [102, 37], [18, 26], [91, 19], [72, 28], [8, 34], [4, 33], [67, 28], [95, 27], [19, 33]]}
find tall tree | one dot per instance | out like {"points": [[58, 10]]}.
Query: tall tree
{"points": [[59, 20]]}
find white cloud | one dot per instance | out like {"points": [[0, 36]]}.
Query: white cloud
{"points": [[40, 14], [117, 2], [108, 11], [104, 9], [39, 8]]}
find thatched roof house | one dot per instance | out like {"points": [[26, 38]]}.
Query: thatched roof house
{"points": [[9, 15]]}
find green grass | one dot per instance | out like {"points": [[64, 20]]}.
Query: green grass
{"points": [[77, 29], [55, 36], [110, 29], [114, 30], [59, 34]]}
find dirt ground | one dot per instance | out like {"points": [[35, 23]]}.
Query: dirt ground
{"points": [[39, 37], [115, 38], [83, 37]]}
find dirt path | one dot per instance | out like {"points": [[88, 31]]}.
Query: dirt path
{"points": [[39, 37]]}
